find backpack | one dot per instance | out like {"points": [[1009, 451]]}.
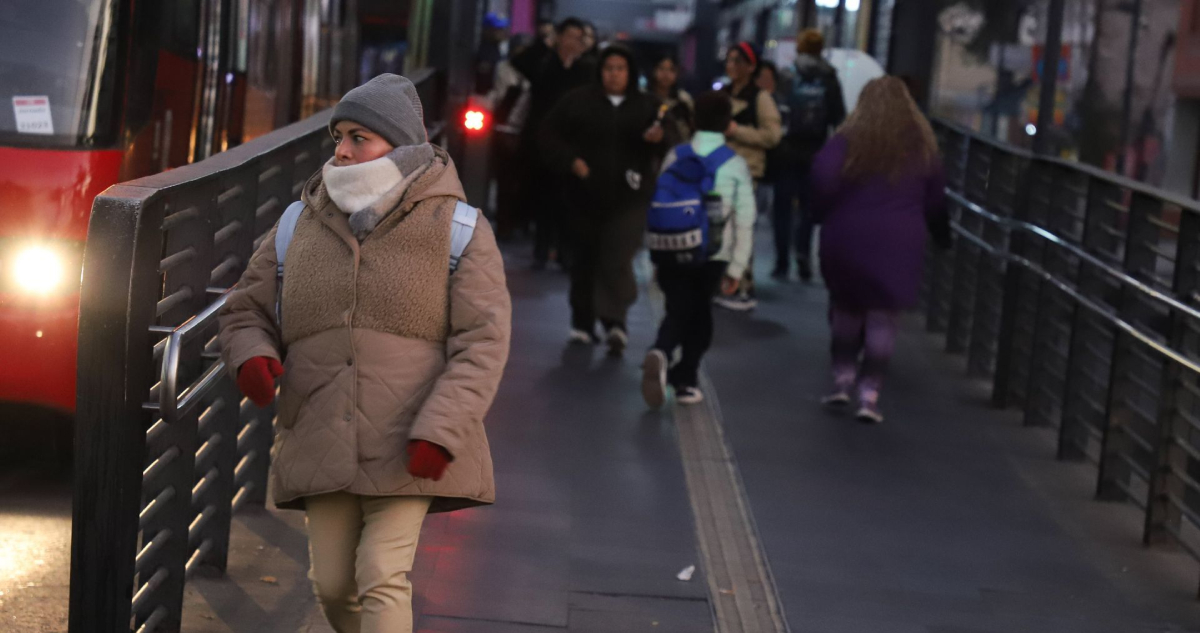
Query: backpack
{"points": [[808, 105], [461, 230], [686, 222]]}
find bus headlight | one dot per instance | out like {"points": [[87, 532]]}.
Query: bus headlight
{"points": [[39, 270]]}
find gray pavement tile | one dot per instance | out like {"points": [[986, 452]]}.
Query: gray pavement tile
{"points": [[496, 599], [591, 613], [634, 571]]}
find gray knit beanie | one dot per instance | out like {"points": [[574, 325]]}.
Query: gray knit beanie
{"points": [[387, 105]]}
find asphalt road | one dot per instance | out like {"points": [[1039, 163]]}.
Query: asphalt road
{"points": [[35, 526]]}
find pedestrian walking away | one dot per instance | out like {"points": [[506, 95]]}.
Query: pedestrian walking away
{"points": [[815, 107], [692, 258], [379, 301], [879, 188], [605, 140], [757, 128]]}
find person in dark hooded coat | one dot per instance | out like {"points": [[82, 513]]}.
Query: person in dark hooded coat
{"points": [[606, 141]]}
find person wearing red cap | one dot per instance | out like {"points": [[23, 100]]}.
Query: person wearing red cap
{"points": [[758, 128]]}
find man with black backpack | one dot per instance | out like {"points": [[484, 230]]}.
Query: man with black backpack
{"points": [[700, 234], [815, 107]]}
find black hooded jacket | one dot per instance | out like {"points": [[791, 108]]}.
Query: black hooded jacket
{"points": [[623, 166]]}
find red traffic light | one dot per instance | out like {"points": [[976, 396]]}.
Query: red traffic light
{"points": [[475, 120]]}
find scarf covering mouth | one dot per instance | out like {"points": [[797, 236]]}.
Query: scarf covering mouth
{"points": [[368, 192]]}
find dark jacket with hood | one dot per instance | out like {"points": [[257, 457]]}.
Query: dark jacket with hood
{"points": [[801, 143], [623, 166], [549, 82]]}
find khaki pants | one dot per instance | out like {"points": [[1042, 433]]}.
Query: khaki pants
{"points": [[362, 550]]}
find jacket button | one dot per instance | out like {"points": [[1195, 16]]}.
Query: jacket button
{"points": [[346, 417], [349, 362]]}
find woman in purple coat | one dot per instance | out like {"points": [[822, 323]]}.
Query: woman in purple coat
{"points": [[879, 189]]}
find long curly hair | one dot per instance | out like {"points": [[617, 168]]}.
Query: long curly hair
{"points": [[887, 134]]}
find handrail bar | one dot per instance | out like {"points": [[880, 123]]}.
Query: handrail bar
{"points": [[170, 403], [1119, 275]]}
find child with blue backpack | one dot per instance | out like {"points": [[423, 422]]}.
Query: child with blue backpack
{"points": [[700, 234]]}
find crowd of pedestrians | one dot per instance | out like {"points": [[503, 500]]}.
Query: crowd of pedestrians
{"points": [[379, 302]]}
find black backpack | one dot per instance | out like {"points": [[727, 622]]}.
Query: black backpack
{"points": [[808, 105]]}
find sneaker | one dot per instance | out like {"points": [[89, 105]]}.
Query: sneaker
{"points": [[617, 340], [738, 302], [654, 379], [869, 413], [580, 337], [689, 395], [836, 400]]}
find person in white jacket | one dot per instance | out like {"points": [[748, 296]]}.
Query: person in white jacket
{"points": [[689, 288]]}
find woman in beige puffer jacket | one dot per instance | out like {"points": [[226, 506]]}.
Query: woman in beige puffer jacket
{"points": [[389, 359]]}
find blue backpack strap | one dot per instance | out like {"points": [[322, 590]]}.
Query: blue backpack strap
{"points": [[684, 150], [461, 231], [287, 228], [283, 237], [718, 157]]}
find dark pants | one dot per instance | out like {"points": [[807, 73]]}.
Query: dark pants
{"points": [[689, 319], [603, 286], [793, 217]]}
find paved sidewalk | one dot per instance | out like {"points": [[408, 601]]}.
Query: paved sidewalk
{"points": [[592, 521], [949, 518]]}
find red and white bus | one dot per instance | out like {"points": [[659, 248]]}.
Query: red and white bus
{"points": [[95, 92]]}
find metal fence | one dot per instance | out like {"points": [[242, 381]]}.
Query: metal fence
{"points": [[166, 448], [1075, 291]]}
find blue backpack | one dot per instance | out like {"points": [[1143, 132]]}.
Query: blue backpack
{"points": [[687, 221]]}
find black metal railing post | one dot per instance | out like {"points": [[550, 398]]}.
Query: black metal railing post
{"points": [[1128, 398], [1178, 403], [1005, 173], [967, 255], [1054, 309], [939, 271], [1019, 289]]}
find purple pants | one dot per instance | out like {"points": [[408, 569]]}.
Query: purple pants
{"points": [[862, 345]]}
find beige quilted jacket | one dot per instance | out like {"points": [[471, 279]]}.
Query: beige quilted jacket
{"points": [[383, 346]]}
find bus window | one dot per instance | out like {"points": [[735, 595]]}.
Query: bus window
{"points": [[50, 52]]}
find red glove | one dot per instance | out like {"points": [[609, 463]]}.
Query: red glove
{"points": [[256, 379], [427, 460]]}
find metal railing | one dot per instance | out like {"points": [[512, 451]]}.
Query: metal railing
{"points": [[1076, 292], [166, 447]]}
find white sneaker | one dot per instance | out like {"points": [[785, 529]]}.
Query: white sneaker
{"points": [[689, 395], [737, 303], [869, 413], [836, 400], [579, 337], [618, 340], [654, 379]]}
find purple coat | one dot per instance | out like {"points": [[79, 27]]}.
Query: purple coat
{"points": [[873, 231]]}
